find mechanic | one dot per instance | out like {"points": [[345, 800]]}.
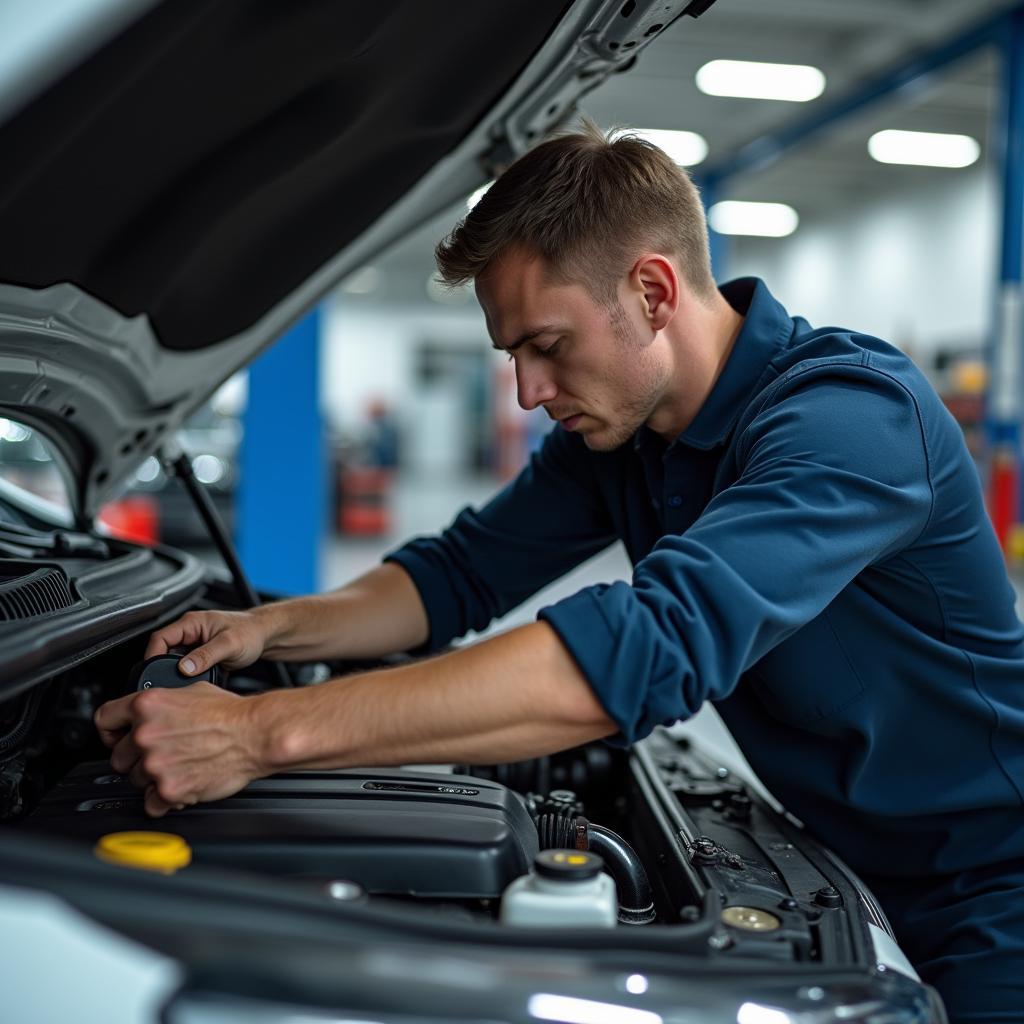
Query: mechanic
{"points": [[810, 549]]}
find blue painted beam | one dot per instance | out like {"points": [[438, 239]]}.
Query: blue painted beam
{"points": [[1005, 404], [1012, 249], [909, 75], [282, 500]]}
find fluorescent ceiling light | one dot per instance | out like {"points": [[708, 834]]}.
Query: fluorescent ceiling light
{"points": [[685, 148], [477, 195], [771, 220], [926, 149], [756, 80]]}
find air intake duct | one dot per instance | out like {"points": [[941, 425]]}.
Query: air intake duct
{"points": [[33, 594]]}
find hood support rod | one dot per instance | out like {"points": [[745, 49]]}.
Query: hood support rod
{"points": [[179, 465]]}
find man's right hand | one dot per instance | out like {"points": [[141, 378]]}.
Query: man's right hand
{"points": [[231, 639], [378, 614]]}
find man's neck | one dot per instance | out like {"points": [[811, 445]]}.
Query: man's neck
{"points": [[702, 347]]}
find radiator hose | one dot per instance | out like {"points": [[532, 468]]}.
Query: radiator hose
{"points": [[636, 901]]}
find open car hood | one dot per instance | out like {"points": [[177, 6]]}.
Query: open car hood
{"points": [[196, 176]]}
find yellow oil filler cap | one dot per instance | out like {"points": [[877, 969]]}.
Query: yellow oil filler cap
{"points": [[152, 851]]}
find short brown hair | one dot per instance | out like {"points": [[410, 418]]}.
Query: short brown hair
{"points": [[588, 205]]}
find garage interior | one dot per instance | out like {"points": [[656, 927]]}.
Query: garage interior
{"points": [[917, 255], [385, 410], [866, 161]]}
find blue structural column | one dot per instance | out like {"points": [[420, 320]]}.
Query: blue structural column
{"points": [[282, 506], [1006, 392]]}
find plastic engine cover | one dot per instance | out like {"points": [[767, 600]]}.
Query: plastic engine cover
{"points": [[392, 831]]}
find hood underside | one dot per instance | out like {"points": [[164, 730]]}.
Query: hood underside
{"points": [[208, 160], [171, 203]]}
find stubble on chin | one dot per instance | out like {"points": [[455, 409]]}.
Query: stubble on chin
{"points": [[610, 436], [628, 420]]}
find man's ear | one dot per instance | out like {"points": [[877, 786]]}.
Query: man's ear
{"points": [[656, 279]]}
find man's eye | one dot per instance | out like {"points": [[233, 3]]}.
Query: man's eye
{"points": [[509, 354], [551, 350]]}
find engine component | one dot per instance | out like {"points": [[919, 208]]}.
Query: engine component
{"points": [[567, 888], [636, 901], [394, 832], [164, 852], [26, 716], [562, 832], [162, 671], [582, 771], [12, 775]]}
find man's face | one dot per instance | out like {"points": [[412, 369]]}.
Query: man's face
{"points": [[597, 370]]}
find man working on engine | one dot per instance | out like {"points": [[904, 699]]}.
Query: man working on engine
{"points": [[810, 551]]}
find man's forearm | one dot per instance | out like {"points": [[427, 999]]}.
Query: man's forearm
{"points": [[517, 695], [380, 613]]}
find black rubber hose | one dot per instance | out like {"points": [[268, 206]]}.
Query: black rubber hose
{"points": [[562, 832], [14, 736], [636, 900]]}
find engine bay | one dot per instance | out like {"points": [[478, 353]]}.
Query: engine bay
{"points": [[698, 860], [654, 859]]}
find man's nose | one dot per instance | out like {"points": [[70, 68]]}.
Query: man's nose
{"points": [[533, 385]]}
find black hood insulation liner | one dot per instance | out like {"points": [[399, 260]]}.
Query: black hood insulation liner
{"points": [[203, 164]]}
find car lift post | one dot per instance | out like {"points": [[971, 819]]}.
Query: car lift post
{"points": [[1006, 387], [282, 497]]}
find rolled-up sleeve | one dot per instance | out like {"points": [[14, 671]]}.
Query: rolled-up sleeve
{"points": [[833, 476], [544, 523]]}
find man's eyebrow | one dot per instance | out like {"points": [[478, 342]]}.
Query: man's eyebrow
{"points": [[533, 332]]}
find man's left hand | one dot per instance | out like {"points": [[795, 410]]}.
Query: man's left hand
{"points": [[183, 745]]}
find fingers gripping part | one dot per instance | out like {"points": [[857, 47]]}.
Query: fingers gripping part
{"points": [[162, 671]]}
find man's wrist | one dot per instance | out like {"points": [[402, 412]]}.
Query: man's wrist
{"points": [[275, 622], [278, 730]]}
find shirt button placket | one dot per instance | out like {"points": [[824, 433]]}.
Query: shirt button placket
{"points": [[675, 488], [673, 508]]}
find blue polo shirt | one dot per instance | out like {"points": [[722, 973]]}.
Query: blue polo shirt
{"points": [[812, 554]]}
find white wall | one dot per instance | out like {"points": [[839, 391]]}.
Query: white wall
{"points": [[916, 268], [369, 353]]}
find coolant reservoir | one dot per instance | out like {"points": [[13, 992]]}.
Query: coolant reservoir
{"points": [[566, 889]]}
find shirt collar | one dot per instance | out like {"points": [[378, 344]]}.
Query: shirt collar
{"points": [[766, 328]]}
